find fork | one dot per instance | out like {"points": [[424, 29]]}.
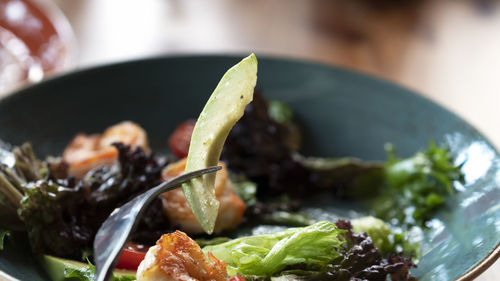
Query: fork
{"points": [[115, 231]]}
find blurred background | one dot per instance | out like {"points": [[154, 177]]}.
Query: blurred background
{"points": [[449, 51]]}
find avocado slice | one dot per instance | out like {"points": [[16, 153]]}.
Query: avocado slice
{"points": [[57, 268], [224, 108]]}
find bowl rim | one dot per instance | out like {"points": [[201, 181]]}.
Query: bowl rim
{"points": [[482, 266], [471, 274]]}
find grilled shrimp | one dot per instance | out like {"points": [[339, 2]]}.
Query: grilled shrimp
{"points": [[177, 257], [86, 152], [175, 206]]}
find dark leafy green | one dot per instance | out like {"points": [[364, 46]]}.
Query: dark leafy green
{"points": [[261, 148], [356, 258], [416, 187], [283, 206], [276, 211], [363, 261], [245, 189], [12, 184], [359, 260], [401, 243], [407, 191], [52, 215], [28, 167], [62, 216], [387, 240]]}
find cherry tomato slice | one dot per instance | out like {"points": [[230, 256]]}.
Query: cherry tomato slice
{"points": [[130, 259], [180, 139]]}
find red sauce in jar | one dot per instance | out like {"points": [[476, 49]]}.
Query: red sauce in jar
{"points": [[30, 43]]}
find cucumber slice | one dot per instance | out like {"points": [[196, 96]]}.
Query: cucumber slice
{"points": [[57, 268], [224, 108]]}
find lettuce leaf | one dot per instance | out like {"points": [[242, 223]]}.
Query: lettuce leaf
{"points": [[359, 260], [385, 239], [264, 255]]}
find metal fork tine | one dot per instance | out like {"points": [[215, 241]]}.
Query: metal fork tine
{"points": [[115, 231]]}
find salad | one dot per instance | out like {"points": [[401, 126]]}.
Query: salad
{"points": [[253, 220]]}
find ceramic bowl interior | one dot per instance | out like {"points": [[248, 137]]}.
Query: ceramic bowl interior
{"points": [[342, 113]]}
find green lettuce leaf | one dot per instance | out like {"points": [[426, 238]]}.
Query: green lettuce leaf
{"points": [[264, 255], [387, 240], [377, 229]]}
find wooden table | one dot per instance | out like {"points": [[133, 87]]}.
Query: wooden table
{"points": [[448, 51]]}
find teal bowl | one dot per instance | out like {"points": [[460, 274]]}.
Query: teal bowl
{"points": [[342, 113]]}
